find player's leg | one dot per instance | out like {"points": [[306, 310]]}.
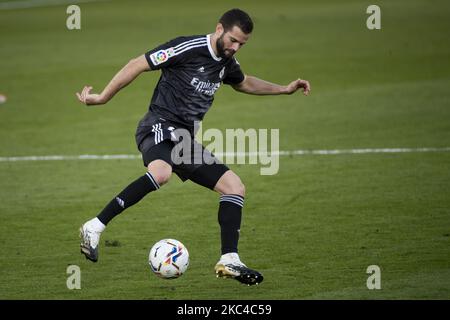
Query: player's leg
{"points": [[220, 178], [232, 193], [158, 173]]}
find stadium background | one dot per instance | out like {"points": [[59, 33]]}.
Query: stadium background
{"points": [[312, 229]]}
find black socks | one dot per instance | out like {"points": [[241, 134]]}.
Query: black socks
{"points": [[230, 214], [230, 209], [128, 197]]}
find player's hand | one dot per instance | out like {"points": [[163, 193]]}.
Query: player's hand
{"points": [[298, 84], [89, 98]]}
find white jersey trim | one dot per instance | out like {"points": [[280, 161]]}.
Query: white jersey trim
{"points": [[211, 51], [189, 48], [163, 55], [188, 43]]}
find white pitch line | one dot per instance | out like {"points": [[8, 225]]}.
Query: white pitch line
{"points": [[26, 4], [64, 158], [237, 154]]}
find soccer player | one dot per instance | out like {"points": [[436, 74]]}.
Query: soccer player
{"points": [[193, 68]]}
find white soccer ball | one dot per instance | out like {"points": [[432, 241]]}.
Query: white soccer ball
{"points": [[168, 258]]}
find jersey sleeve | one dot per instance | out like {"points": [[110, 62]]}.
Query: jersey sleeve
{"points": [[234, 74], [164, 55]]}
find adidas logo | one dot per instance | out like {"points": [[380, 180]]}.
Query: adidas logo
{"points": [[120, 202], [201, 69]]}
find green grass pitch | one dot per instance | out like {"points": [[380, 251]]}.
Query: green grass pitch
{"points": [[312, 229]]}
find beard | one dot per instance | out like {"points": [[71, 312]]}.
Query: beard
{"points": [[221, 51]]}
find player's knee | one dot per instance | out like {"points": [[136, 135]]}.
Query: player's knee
{"points": [[230, 183], [238, 188], [160, 170], [161, 176]]}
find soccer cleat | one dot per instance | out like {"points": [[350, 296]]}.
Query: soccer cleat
{"points": [[230, 266], [89, 242]]}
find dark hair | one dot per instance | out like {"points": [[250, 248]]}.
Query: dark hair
{"points": [[239, 18]]}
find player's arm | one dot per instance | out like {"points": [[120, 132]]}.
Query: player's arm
{"points": [[124, 77], [253, 85]]}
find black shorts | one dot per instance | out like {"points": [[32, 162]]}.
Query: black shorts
{"points": [[157, 142]]}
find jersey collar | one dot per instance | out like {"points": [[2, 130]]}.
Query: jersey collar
{"points": [[211, 51]]}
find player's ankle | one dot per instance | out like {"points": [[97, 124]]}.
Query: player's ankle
{"points": [[230, 255], [96, 225]]}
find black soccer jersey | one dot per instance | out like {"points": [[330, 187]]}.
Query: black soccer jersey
{"points": [[191, 74]]}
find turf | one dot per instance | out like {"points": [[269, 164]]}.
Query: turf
{"points": [[312, 229]]}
